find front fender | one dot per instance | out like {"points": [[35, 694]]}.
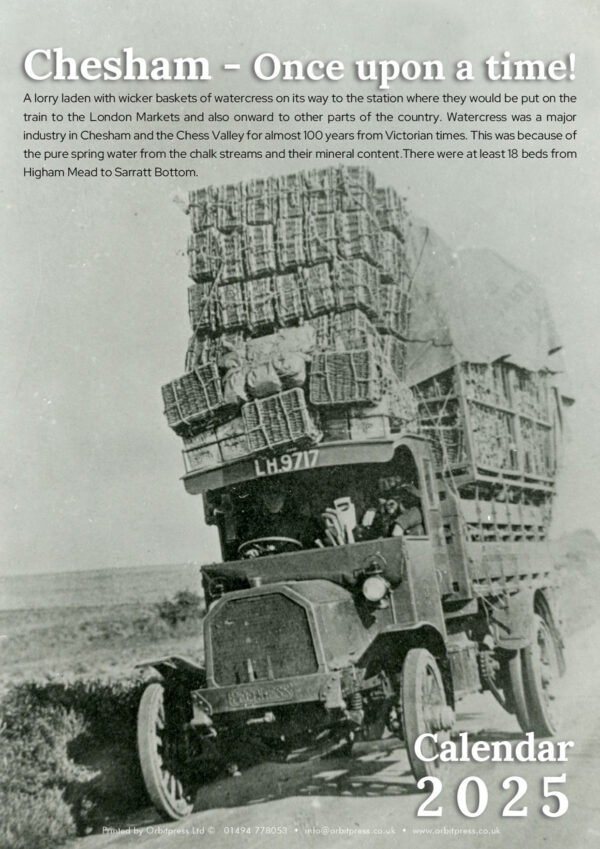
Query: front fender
{"points": [[175, 669]]}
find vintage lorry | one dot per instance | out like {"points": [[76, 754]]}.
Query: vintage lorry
{"points": [[332, 643], [315, 637]]}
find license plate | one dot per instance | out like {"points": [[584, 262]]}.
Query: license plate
{"points": [[244, 698], [297, 461]]}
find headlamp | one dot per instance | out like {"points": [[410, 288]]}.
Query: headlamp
{"points": [[375, 588]]}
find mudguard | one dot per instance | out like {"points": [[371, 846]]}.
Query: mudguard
{"points": [[174, 668], [512, 622]]}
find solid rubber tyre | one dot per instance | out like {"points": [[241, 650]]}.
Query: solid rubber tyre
{"points": [[541, 669], [422, 690], [158, 742], [516, 687]]}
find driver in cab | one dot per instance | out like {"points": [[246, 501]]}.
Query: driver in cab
{"points": [[278, 517]]}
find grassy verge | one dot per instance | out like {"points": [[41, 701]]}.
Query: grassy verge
{"points": [[68, 755]]}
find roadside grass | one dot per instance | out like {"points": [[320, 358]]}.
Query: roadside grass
{"points": [[68, 757]]}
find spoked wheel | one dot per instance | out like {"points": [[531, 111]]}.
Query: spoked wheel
{"points": [[540, 667], [163, 750], [424, 710]]}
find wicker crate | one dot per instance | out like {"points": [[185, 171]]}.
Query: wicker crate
{"points": [[280, 421], [348, 377], [536, 448], [357, 189], [261, 305], [290, 196], [391, 259], [204, 255], [202, 208], [492, 437], [393, 316], [317, 290], [202, 302], [194, 400], [322, 191], [448, 445], [321, 238], [261, 257], [230, 207], [231, 250], [197, 351], [288, 298], [529, 390], [394, 351], [352, 329], [390, 211], [400, 406], [478, 382], [473, 412], [261, 201], [290, 244], [357, 285], [357, 236], [323, 328], [233, 306]]}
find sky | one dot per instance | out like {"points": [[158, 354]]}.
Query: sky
{"points": [[94, 313]]}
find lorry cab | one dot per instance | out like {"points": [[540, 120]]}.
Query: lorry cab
{"points": [[307, 618], [292, 491]]}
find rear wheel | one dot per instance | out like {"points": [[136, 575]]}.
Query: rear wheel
{"points": [[424, 710], [540, 666], [163, 748], [516, 691]]}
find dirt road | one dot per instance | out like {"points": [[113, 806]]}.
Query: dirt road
{"points": [[371, 800]]}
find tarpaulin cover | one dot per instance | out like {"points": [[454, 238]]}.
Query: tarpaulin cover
{"points": [[472, 305]]}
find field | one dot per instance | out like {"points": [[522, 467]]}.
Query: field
{"points": [[70, 692], [84, 641]]}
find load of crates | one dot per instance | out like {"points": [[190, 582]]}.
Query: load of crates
{"points": [[299, 311], [490, 423], [495, 439], [484, 365]]}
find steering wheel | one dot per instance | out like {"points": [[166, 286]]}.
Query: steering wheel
{"points": [[268, 545]]}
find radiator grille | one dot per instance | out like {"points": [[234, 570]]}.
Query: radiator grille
{"points": [[259, 638]]}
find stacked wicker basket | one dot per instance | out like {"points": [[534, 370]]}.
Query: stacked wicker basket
{"points": [[299, 309], [491, 424]]}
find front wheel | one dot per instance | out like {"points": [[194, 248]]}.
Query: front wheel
{"points": [[163, 749], [424, 710]]}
